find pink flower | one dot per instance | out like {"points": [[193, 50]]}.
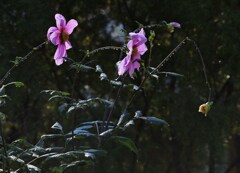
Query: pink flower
{"points": [[136, 46], [59, 36]]}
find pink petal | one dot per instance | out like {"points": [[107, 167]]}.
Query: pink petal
{"points": [[55, 37], [68, 45], [130, 45], [70, 26], [60, 54], [59, 61], [134, 58], [142, 49], [122, 67], [136, 65], [138, 38], [142, 32], [131, 70], [60, 21], [51, 30]]}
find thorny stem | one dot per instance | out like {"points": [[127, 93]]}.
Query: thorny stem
{"points": [[21, 60], [204, 67], [165, 60], [99, 49], [4, 148], [150, 26], [157, 68]]}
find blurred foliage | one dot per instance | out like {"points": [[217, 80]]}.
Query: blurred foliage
{"points": [[192, 143]]}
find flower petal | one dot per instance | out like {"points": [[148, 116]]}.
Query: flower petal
{"points": [[131, 70], [142, 49], [138, 38], [50, 31], [175, 24], [68, 45], [55, 37], [60, 54], [70, 26], [60, 21], [122, 66]]}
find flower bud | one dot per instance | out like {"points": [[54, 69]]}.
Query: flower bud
{"points": [[205, 108]]}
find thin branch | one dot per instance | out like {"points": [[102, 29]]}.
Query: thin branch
{"points": [[115, 101], [21, 60], [99, 49], [204, 67], [156, 69]]}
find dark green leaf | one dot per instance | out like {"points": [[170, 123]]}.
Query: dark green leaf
{"points": [[153, 120], [171, 74], [81, 67], [116, 83], [33, 169], [107, 133], [126, 142]]}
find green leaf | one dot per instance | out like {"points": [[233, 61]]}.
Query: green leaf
{"points": [[128, 124], [2, 90], [126, 142], [138, 114], [122, 118], [103, 76], [54, 149], [33, 169], [171, 74], [97, 153], [57, 126], [81, 67], [23, 143], [107, 133], [19, 84], [99, 69], [154, 120], [116, 83], [55, 92]]}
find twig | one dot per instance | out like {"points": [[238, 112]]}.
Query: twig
{"points": [[21, 61], [115, 101], [204, 67], [99, 49], [157, 68]]}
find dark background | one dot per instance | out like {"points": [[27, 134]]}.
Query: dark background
{"points": [[192, 143]]}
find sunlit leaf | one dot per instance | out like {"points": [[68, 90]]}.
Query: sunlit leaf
{"points": [[99, 69], [171, 74], [122, 118], [107, 133], [138, 114], [33, 169], [103, 76], [154, 120], [57, 126]]}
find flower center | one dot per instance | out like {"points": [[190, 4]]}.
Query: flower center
{"points": [[135, 51], [64, 36]]}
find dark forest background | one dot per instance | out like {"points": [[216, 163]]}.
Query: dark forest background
{"points": [[192, 143]]}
